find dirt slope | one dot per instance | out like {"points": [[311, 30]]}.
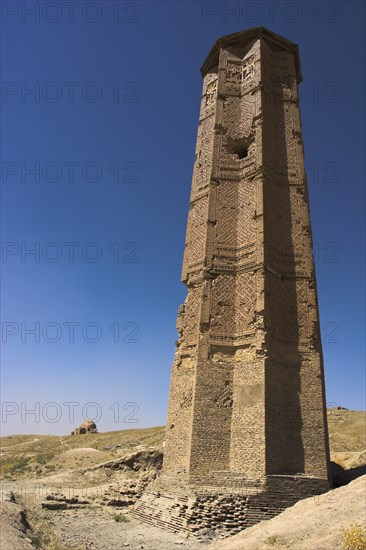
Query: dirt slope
{"points": [[13, 532], [314, 523]]}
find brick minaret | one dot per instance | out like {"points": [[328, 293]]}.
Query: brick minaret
{"points": [[247, 409]]}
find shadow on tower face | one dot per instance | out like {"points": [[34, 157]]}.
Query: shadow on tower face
{"points": [[282, 237], [296, 423]]}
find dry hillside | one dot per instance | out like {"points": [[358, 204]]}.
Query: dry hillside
{"points": [[32, 455], [38, 456]]}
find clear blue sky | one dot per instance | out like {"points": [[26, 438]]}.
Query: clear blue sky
{"points": [[116, 100]]}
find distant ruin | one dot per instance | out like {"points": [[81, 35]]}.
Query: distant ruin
{"points": [[86, 427]]}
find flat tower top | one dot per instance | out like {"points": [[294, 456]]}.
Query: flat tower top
{"points": [[242, 38]]}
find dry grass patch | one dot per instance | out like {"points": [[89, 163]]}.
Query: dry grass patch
{"points": [[354, 537]]}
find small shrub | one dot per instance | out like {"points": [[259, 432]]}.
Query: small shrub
{"points": [[119, 517], [42, 536], [354, 537], [42, 458], [36, 540], [17, 467], [277, 541], [271, 540]]}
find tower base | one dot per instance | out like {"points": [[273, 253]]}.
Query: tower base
{"points": [[220, 511]]}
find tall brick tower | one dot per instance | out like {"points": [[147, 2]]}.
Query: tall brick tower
{"points": [[247, 431]]}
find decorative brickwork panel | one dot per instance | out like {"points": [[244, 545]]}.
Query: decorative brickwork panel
{"points": [[233, 73], [197, 231], [223, 306], [203, 164], [246, 225], [226, 211], [245, 302], [190, 321]]}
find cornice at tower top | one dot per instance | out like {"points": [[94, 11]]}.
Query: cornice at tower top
{"points": [[242, 38]]}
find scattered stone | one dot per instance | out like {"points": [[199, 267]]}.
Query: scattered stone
{"points": [[7, 496], [55, 505]]}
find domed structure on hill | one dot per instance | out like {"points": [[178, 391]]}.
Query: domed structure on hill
{"points": [[86, 427]]}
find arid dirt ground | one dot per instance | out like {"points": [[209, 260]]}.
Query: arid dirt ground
{"points": [[314, 523], [76, 493]]}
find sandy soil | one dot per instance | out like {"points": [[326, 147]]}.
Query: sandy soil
{"points": [[97, 530], [312, 524]]}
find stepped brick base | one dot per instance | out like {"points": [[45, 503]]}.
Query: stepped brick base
{"points": [[218, 511]]}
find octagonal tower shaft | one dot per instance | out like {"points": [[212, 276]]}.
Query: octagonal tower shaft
{"points": [[247, 385]]}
